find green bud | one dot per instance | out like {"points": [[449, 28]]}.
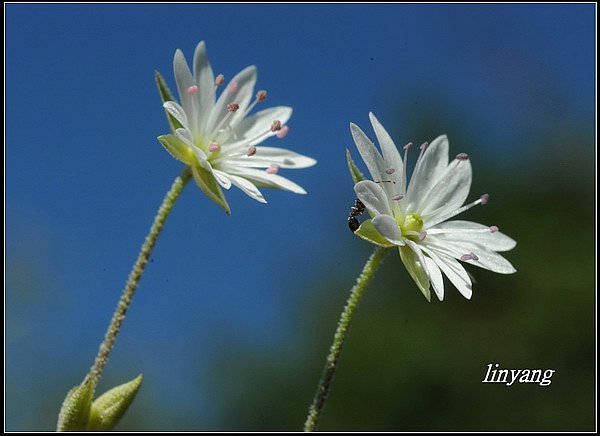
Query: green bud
{"points": [[75, 410], [355, 173], [110, 407], [207, 183], [165, 95]]}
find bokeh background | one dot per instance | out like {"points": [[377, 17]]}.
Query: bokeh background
{"points": [[234, 315]]}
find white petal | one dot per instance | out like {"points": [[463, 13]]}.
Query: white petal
{"points": [[453, 270], [487, 259], [388, 227], [248, 188], [267, 156], [178, 112], [458, 230], [369, 154], [269, 180], [222, 178], [204, 77], [240, 94], [373, 197], [435, 276], [450, 192], [259, 123], [184, 79], [428, 170], [391, 155]]}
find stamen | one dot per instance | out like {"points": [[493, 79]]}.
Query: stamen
{"points": [[232, 107], [258, 138], [261, 95], [461, 231], [251, 151], [422, 235], [474, 256], [465, 257], [283, 132], [276, 126], [390, 171], [462, 156], [233, 87], [214, 146], [193, 90], [423, 147], [481, 200], [220, 80], [404, 163], [493, 229], [398, 197], [273, 169]]}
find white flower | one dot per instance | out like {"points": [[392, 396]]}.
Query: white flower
{"points": [[218, 139], [414, 216]]}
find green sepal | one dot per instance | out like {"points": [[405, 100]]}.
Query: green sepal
{"points": [[207, 183], [178, 149], [416, 271], [369, 233], [75, 411], [165, 95], [357, 176], [110, 407]]}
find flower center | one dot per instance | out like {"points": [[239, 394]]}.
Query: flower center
{"points": [[411, 226]]}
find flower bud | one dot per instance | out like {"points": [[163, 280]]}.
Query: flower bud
{"points": [[110, 407]]}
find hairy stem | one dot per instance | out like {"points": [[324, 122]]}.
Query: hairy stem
{"points": [[314, 412], [135, 275]]}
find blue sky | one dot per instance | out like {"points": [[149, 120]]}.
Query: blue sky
{"points": [[85, 173]]}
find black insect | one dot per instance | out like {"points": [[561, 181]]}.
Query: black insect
{"points": [[355, 211]]}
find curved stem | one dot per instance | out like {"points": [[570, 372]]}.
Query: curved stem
{"points": [[312, 420], [135, 275]]}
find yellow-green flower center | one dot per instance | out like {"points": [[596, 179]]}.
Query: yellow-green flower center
{"points": [[411, 226]]}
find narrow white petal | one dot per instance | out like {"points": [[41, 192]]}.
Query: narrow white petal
{"points": [[369, 153], [267, 156], [184, 79], [487, 259], [388, 227], [435, 276], [428, 170], [373, 197], [222, 178], [453, 270], [204, 77], [450, 192], [240, 93], [269, 180], [260, 123], [248, 187], [391, 155], [178, 112], [458, 230]]}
